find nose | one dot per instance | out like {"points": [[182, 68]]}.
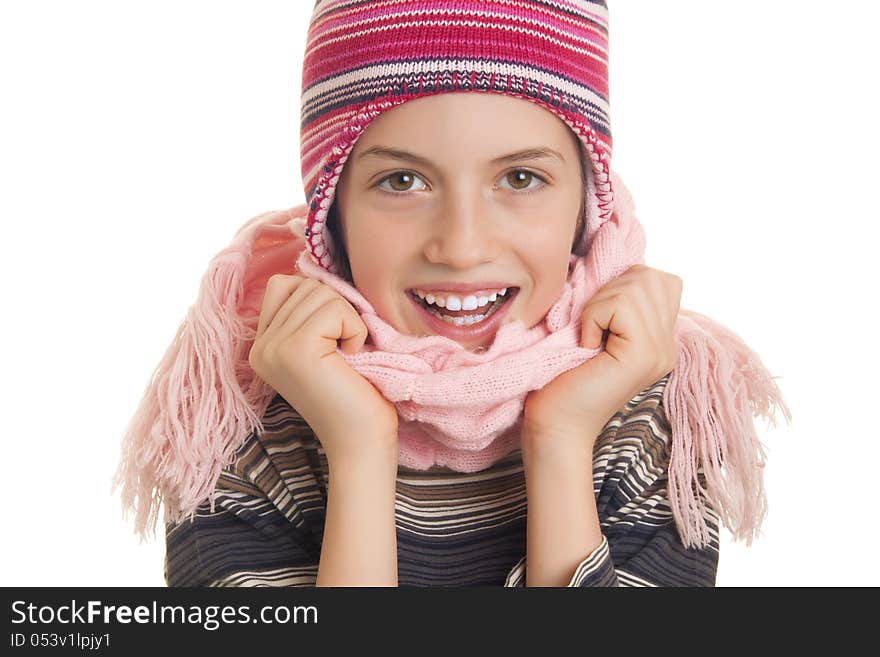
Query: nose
{"points": [[463, 236]]}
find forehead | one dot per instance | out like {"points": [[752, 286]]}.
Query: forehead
{"points": [[474, 124]]}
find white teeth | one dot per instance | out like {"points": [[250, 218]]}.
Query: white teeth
{"points": [[465, 320], [471, 302], [454, 302]]}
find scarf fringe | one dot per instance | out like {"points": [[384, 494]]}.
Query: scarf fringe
{"points": [[203, 399], [712, 396]]}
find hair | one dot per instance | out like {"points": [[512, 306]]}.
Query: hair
{"points": [[340, 254]]}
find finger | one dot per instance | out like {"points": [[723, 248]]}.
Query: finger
{"points": [[278, 290], [601, 308], [658, 305], [296, 296], [306, 300], [354, 331], [676, 288], [645, 314], [337, 321], [595, 320], [651, 305]]}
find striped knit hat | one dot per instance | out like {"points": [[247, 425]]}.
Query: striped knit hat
{"points": [[457, 408], [359, 63]]}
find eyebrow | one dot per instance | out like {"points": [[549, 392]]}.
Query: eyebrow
{"points": [[534, 153]]}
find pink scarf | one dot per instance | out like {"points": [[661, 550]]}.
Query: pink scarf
{"points": [[457, 408]]}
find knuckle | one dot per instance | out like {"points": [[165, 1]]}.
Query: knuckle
{"points": [[255, 358], [340, 303], [274, 355], [286, 350], [275, 280], [282, 280]]}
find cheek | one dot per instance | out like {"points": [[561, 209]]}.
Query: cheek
{"points": [[377, 260], [548, 268], [380, 254], [539, 302]]}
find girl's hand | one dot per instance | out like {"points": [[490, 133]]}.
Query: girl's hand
{"points": [[294, 351], [637, 310]]}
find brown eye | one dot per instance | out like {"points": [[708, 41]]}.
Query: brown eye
{"points": [[516, 178], [404, 178], [519, 180], [400, 182]]}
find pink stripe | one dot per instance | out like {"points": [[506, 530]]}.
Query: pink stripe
{"points": [[537, 15], [365, 48]]}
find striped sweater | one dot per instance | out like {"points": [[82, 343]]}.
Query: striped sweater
{"points": [[453, 529]]}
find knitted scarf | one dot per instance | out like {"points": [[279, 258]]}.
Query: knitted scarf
{"points": [[457, 408]]}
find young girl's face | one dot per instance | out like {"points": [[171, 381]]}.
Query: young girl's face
{"points": [[460, 213]]}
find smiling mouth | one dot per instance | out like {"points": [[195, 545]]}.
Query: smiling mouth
{"points": [[466, 317]]}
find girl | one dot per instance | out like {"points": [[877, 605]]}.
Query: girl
{"points": [[451, 366]]}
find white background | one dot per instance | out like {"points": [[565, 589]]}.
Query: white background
{"points": [[136, 137]]}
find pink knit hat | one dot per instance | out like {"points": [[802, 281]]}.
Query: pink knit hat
{"points": [[457, 408], [359, 63]]}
